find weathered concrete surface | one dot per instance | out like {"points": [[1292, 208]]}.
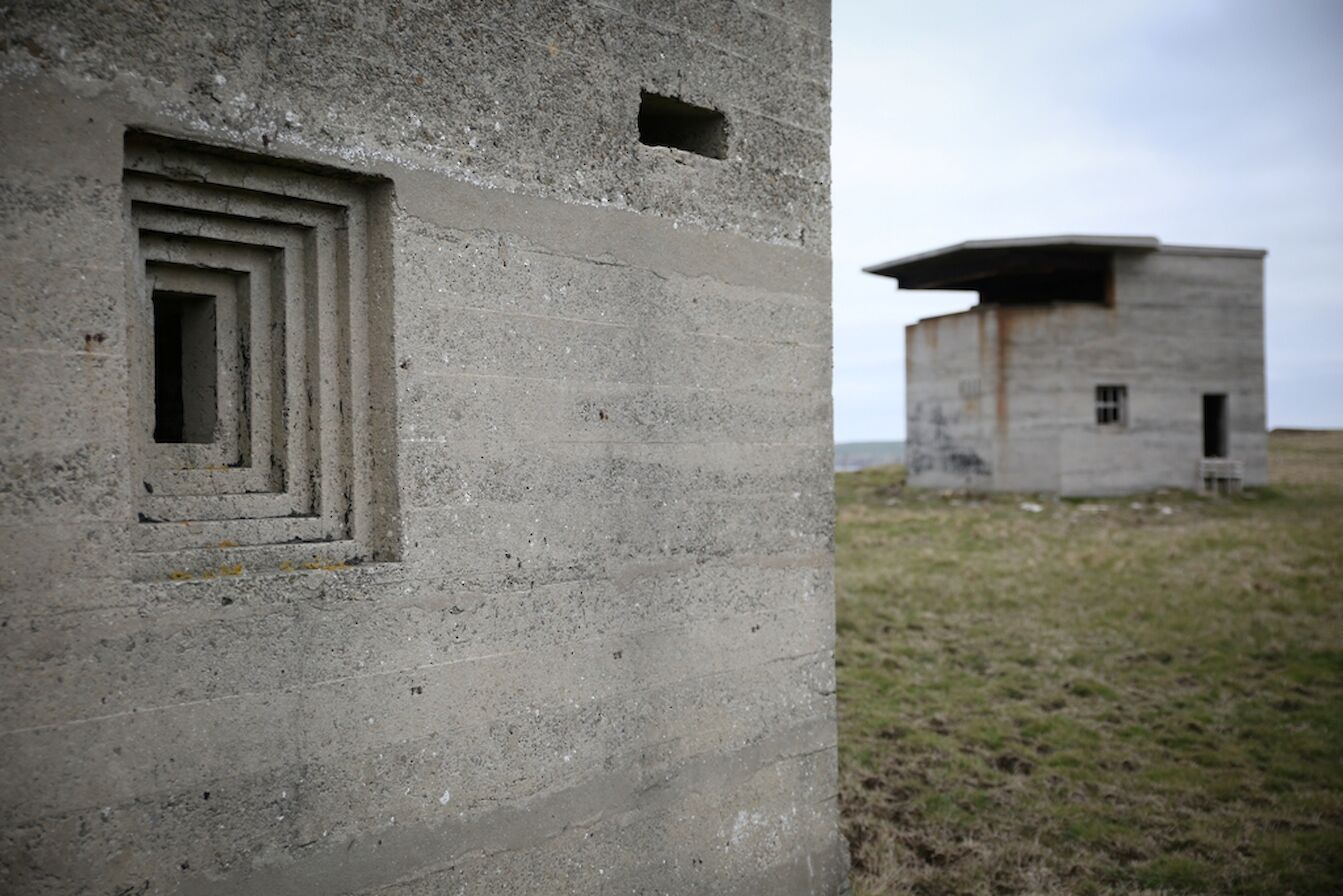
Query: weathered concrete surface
{"points": [[1003, 396], [589, 648]]}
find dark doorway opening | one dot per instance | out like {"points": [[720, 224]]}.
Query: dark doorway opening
{"points": [[1214, 426], [185, 368]]}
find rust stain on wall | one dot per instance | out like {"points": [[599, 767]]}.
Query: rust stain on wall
{"points": [[1004, 344]]}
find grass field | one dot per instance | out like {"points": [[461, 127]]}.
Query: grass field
{"points": [[1116, 696]]}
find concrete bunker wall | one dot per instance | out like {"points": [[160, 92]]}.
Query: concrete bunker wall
{"points": [[1022, 360], [982, 389], [1184, 324], [577, 440], [949, 441]]}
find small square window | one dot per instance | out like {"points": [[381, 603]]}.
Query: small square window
{"points": [[1112, 405]]}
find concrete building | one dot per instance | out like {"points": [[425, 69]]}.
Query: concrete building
{"points": [[1092, 365], [417, 448]]}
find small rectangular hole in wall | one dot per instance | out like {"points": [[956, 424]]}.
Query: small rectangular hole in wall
{"points": [[667, 121], [185, 368]]}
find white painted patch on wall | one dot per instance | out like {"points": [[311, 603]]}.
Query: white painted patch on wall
{"points": [[744, 823]]}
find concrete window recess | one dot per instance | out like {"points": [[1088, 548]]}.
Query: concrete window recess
{"points": [[563, 397], [668, 121], [1112, 405], [255, 289]]}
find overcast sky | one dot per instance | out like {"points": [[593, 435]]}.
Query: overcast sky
{"points": [[1190, 120]]}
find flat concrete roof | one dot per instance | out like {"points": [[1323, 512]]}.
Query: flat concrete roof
{"points": [[972, 264]]}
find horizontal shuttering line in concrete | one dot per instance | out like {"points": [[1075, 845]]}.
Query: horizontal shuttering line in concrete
{"points": [[237, 636], [664, 795], [500, 270], [331, 717], [443, 408]]}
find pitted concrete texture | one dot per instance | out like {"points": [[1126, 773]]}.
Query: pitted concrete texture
{"points": [[541, 97], [497, 557]]}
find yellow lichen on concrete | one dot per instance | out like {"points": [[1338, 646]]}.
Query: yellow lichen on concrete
{"points": [[314, 563]]}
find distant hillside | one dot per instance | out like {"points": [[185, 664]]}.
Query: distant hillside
{"points": [[851, 456]]}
